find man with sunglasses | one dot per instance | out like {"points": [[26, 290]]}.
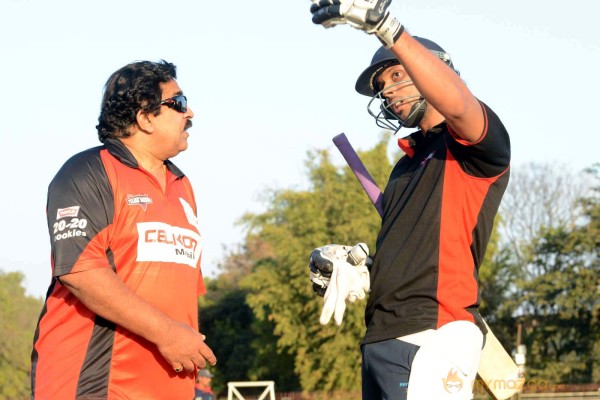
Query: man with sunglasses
{"points": [[424, 333], [120, 320]]}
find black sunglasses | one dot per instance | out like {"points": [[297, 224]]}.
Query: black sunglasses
{"points": [[177, 103]]}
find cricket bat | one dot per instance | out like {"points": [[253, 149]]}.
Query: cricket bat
{"points": [[498, 373]]}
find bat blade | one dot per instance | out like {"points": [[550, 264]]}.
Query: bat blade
{"points": [[497, 371], [499, 374]]}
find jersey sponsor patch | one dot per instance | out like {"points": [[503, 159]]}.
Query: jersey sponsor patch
{"points": [[68, 225], [141, 200], [426, 159], [162, 242], [67, 212]]}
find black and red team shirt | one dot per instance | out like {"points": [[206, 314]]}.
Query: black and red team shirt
{"points": [[438, 213], [105, 211]]}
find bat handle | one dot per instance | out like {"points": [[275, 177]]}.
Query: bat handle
{"points": [[366, 180]]}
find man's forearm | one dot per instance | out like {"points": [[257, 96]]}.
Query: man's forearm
{"points": [[104, 293], [442, 88]]}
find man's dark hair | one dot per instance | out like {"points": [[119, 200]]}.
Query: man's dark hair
{"points": [[134, 87]]}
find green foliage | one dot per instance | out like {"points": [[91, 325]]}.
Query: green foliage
{"points": [[245, 347], [334, 210], [493, 279], [496, 281], [227, 329], [18, 316], [558, 299]]}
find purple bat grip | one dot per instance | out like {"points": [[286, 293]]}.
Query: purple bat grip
{"points": [[356, 165]]}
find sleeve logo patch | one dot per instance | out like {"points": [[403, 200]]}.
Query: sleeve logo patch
{"points": [[141, 200], [67, 212]]}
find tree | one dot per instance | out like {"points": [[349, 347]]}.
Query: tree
{"points": [[245, 347], [333, 210], [497, 275], [18, 313], [557, 297], [538, 195]]}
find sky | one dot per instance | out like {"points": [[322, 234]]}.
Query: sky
{"points": [[267, 86]]}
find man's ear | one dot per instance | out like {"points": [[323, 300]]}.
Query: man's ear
{"points": [[144, 121]]}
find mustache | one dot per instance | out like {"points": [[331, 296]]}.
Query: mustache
{"points": [[188, 124]]}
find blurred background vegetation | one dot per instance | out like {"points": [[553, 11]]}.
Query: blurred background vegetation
{"points": [[540, 282]]}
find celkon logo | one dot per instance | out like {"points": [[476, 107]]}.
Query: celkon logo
{"points": [[158, 241], [67, 212], [169, 237]]}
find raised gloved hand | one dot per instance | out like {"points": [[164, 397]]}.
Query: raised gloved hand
{"points": [[371, 16], [348, 277]]}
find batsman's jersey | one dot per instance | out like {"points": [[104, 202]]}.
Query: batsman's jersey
{"points": [[438, 213], [104, 211]]}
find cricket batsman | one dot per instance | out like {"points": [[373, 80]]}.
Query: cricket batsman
{"points": [[424, 332]]}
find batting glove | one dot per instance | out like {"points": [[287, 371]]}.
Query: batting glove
{"points": [[348, 280], [371, 16], [321, 265]]}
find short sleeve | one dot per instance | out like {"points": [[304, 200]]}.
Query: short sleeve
{"points": [[80, 207], [490, 155]]}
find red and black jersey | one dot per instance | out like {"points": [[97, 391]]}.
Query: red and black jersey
{"points": [[438, 213], [105, 211]]}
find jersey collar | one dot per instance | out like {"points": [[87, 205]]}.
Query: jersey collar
{"points": [[413, 142]]}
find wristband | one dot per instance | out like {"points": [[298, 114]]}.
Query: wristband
{"points": [[389, 31], [400, 32]]}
